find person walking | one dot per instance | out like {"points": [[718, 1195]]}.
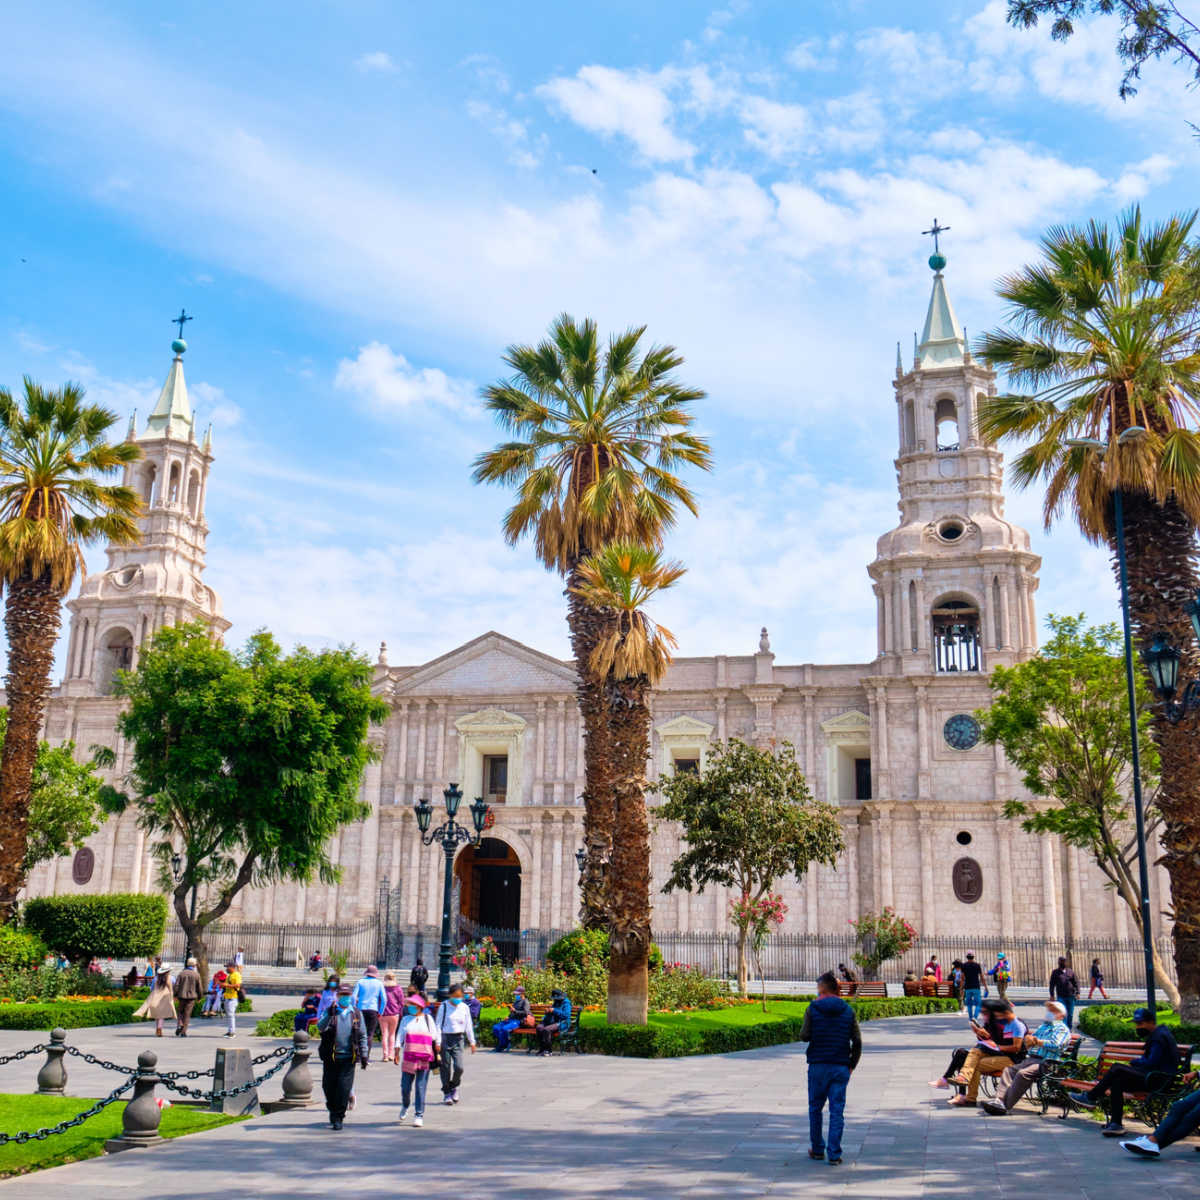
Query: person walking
{"points": [[343, 1043], [1161, 1055], [231, 993], [1064, 987], [557, 1019], [1182, 1118], [457, 1030], [417, 1040], [159, 1004], [1043, 1047], [329, 994], [973, 987], [389, 1019], [189, 987], [518, 1013], [956, 982], [239, 959], [1001, 974], [1097, 980], [370, 998], [834, 1048], [418, 976]]}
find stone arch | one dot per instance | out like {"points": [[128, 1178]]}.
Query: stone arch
{"points": [[81, 652], [116, 654], [947, 435], [173, 485], [149, 475], [955, 629], [914, 618], [910, 425], [193, 493], [522, 849], [997, 613]]}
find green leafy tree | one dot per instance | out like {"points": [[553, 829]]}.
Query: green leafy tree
{"points": [[881, 937], [1149, 31], [54, 452], [64, 803], [247, 764], [1063, 720], [748, 821], [1102, 333], [598, 436]]}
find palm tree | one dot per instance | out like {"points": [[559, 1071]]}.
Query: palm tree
{"points": [[630, 658], [598, 438], [1103, 333], [52, 448]]}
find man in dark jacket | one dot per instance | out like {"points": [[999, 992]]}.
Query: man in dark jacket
{"points": [[417, 976], [834, 1048], [1160, 1058], [188, 989], [1064, 987], [343, 1043]]}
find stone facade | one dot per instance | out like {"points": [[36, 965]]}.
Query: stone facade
{"points": [[890, 741]]}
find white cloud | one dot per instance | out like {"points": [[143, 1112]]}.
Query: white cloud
{"points": [[30, 344], [376, 60], [631, 104], [389, 384], [1138, 178], [523, 152], [778, 130], [211, 404]]}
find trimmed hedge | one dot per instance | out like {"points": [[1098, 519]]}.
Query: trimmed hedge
{"points": [[277, 1024], [572, 949], [20, 950], [67, 1014], [676, 1041], [119, 926], [1114, 1023]]}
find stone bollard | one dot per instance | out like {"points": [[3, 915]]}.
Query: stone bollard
{"points": [[52, 1078], [297, 1079], [139, 1122]]}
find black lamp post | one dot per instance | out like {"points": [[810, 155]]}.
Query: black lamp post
{"points": [[176, 871], [1135, 759], [449, 834], [1162, 663]]}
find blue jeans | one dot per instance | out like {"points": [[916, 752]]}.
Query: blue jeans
{"points": [[1069, 1005], [1182, 1117], [826, 1082], [973, 999], [421, 1078], [501, 1030]]}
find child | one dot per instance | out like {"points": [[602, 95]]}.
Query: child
{"points": [[415, 1042], [308, 1011]]}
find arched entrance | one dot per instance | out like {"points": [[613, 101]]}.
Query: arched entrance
{"points": [[489, 887]]}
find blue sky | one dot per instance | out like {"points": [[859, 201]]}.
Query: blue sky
{"points": [[362, 204]]}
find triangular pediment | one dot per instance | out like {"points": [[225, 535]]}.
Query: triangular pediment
{"points": [[848, 722], [489, 665], [684, 726], [491, 720]]}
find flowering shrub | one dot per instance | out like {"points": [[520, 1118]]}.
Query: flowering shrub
{"points": [[476, 955], [681, 986], [755, 920], [49, 983], [881, 937]]}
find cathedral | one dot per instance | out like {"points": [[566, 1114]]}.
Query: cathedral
{"points": [[890, 741]]}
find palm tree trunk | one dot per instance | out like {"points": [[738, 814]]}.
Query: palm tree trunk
{"points": [[1161, 560], [31, 619], [629, 875], [587, 625]]}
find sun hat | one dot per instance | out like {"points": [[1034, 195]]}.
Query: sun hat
{"points": [[191, 962], [416, 998], [372, 970], [345, 990], [1061, 1009]]}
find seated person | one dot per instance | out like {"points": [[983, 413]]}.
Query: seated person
{"points": [[1183, 1117], [1043, 1047], [131, 979], [517, 1012], [308, 1011], [1161, 1058], [314, 962], [993, 1054], [991, 1029], [557, 1019]]}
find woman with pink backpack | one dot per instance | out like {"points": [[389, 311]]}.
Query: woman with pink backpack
{"points": [[417, 1041]]}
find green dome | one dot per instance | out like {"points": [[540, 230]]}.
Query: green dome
{"points": [[937, 262], [179, 345]]}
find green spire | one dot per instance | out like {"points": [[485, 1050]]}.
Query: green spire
{"points": [[172, 415], [942, 342]]}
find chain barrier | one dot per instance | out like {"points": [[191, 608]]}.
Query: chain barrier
{"points": [[102, 1063], [20, 1054], [199, 1094], [40, 1135]]}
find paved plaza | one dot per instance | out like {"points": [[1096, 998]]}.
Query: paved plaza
{"points": [[586, 1126]]}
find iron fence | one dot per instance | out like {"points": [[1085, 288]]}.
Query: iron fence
{"points": [[787, 956]]}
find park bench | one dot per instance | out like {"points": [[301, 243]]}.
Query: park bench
{"points": [[529, 1031], [863, 991], [1067, 1061], [1162, 1090], [918, 987]]}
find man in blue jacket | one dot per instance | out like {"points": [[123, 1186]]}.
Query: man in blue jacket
{"points": [[1161, 1057], [834, 1048]]}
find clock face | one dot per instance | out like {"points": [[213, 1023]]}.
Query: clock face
{"points": [[961, 732]]}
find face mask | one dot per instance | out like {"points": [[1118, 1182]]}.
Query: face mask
{"points": [[343, 1002], [455, 1000], [411, 1009], [1049, 1017]]}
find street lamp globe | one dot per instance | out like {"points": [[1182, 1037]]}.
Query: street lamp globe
{"points": [[1192, 608], [424, 811], [176, 865], [581, 858], [453, 797], [479, 812], [1162, 661]]}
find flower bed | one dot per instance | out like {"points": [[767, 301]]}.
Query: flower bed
{"points": [[80, 1012]]}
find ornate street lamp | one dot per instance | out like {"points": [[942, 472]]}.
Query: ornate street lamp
{"points": [[581, 859], [177, 871], [1100, 449], [1162, 664], [450, 834]]}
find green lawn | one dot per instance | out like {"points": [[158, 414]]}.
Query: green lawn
{"points": [[85, 1141], [743, 1015]]}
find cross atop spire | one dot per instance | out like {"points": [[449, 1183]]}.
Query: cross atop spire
{"points": [[183, 317], [935, 232]]}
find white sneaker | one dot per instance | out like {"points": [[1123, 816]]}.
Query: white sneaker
{"points": [[403, 1114], [1143, 1146], [418, 1121]]}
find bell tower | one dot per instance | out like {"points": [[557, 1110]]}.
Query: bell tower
{"points": [[954, 581], [158, 581]]}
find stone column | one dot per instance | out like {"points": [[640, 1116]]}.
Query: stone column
{"points": [[1050, 892], [419, 774], [928, 899], [810, 733], [1008, 925], [560, 752], [887, 889], [412, 882], [922, 620], [536, 883], [850, 832], [1074, 892], [367, 866], [577, 726], [557, 861], [924, 787], [721, 718], [438, 759], [888, 630], [811, 893]]}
